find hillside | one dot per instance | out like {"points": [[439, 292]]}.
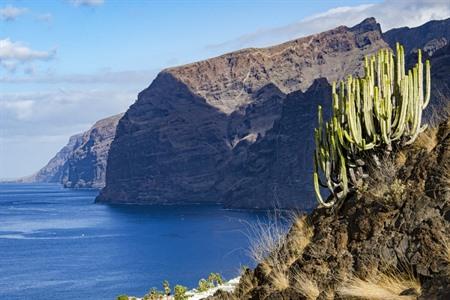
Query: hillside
{"points": [[389, 240]]}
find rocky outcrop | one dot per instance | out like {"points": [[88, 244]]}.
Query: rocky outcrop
{"points": [[175, 142], [390, 239], [82, 162]]}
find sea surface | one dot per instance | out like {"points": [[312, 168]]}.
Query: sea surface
{"points": [[55, 243]]}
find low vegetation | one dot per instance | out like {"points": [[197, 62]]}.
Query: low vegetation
{"points": [[305, 286], [213, 280], [180, 293], [380, 286]]}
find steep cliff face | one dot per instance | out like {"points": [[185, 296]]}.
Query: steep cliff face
{"points": [[173, 144], [86, 166], [275, 171], [82, 162]]}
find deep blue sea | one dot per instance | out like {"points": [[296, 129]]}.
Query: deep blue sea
{"points": [[55, 243]]}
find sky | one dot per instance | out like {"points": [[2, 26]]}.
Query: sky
{"points": [[64, 64]]}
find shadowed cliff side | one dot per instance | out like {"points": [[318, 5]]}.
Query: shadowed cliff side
{"points": [[166, 147], [275, 171]]}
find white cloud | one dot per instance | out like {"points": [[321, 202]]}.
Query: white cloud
{"points": [[10, 13], [10, 50], [87, 2], [390, 14], [14, 53]]}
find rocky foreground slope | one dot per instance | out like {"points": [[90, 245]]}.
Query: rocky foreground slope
{"points": [[82, 162], [236, 128], [390, 240]]}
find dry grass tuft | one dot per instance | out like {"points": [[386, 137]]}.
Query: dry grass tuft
{"points": [[276, 248], [267, 237], [272, 243], [394, 285], [279, 279], [305, 286], [299, 238]]}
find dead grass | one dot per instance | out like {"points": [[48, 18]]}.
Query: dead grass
{"points": [[386, 288], [279, 279], [272, 243], [275, 247], [305, 286], [394, 283], [267, 236]]}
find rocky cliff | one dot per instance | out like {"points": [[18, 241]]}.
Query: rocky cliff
{"points": [[82, 162], [237, 128], [175, 142]]}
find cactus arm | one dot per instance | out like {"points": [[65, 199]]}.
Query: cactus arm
{"points": [[428, 84]]}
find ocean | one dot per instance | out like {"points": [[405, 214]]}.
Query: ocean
{"points": [[56, 243]]}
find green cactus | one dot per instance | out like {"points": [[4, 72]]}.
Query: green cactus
{"points": [[370, 114]]}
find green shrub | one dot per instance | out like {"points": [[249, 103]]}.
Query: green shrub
{"points": [[215, 279], [180, 292], [122, 297], [203, 285]]}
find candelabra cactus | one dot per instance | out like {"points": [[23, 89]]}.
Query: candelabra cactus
{"points": [[369, 115]]}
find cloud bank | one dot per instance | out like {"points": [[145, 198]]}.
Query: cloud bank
{"points": [[390, 14]]}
